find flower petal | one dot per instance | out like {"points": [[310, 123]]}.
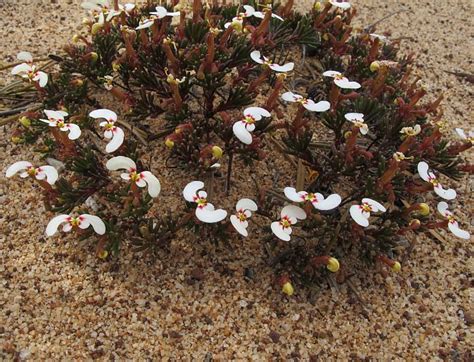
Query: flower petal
{"points": [[358, 216], [146, 24], [117, 140], [346, 84], [354, 116], [246, 204], [423, 170], [461, 133], [17, 166], [249, 10], [50, 172], [331, 202], [119, 163], [293, 211], [443, 208], [447, 194], [96, 222], [21, 68], [256, 112], [104, 113], [25, 56], [41, 78], [209, 215], [277, 17], [191, 189], [55, 115], [460, 233], [291, 194], [291, 97], [74, 131], [321, 106], [238, 225], [344, 5], [240, 131], [54, 223], [280, 233], [256, 57], [376, 206], [331, 73], [154, 186], [288, 67]]}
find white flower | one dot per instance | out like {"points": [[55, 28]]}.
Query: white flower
{"points": [[141, 179], [27, 169], [428, 176], [358, 120], [28, 70], [204, 210], [258, 58], [344, 5], [249, 11], [82, 221], [289, 216], [127, 9], [361, 213], [246, 125], [382, 38], [317, 199], [340, 80], [159, 13], [309, 104], [96, 5], [112, 132], [244, 210], [56, 119], [467, 137], [453, 225], [411, 131]]}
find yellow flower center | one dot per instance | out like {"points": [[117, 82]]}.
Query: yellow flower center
{"points": [[241, 215], [366, 208], [249, 120], [285, 222]]}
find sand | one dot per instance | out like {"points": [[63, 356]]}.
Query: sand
{"points": [[59, 301]]}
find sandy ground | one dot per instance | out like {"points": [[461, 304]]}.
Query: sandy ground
{"points": [[59, 302]]}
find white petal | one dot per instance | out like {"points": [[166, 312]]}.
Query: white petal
{"points": [[423, 170], [344, 5], [346, 84], [108, 134], [293, 211], [56, 115], [258, 14], [291, 97], [51, 174], [354, 116], [321, 106], [447, 194], [96, 222], [256, 57], [443, 208], [250, 127], [191, 189], [291, 194], [288, 67], [128, 7], [246, 204], [358, 216], [67, 227], [74, 131], [104, 113], [376, 206], [140, 183], [454, 227], [125, 176], [331, 73], [116, 141], [146, 24], [21, 68], [120, 162], [249, 10], [41, 78], [154, 186], [280, 233], [25, 56], [277, 17], [209, 215], [331, 202], [238, 225], [256, 112], [240, 131], [54, 223], [17, 166]]}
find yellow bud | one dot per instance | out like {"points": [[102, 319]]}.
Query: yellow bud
{"points": [[217, 152], [96, 28], [325, 37], [17, 140], [333, 265], [396, 267], [374, 66], [115, 67], [169, 143], [94, 57], [102, 254], [25, 122], [347, 134], [424, 209], [288, 289], [317, 6], [76, 38], [415, 223]]}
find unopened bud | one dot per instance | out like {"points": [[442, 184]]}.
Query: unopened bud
{"points": [[217, 152], [374, 66], [415, 224], [288, 289], [333, 265], [16, 139], [347, 134], [76, 38], [424, 209], [25, 122], [116, 67], [102, 254], [169, 143], [96, 28], [94, 56], [317, 6], [396, 267]]}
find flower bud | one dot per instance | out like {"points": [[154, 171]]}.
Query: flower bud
{"points": [[333, 265], [96, 28], [102, 254], [415, 224], [317, 6], [374, 66], [396, 267], [116, 67], [347, 134], [424, 209], [217, 152], [17, 140], [94, 56], [25, 122], [288, 289], [76, 38], [169, 143]]}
